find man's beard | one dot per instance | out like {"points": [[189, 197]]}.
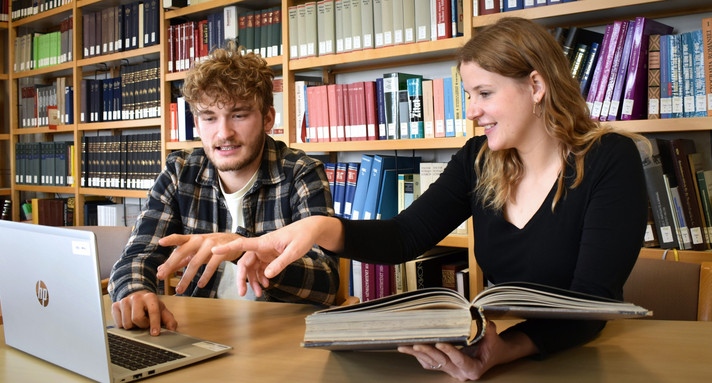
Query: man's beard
{"points": [[254, 152]]}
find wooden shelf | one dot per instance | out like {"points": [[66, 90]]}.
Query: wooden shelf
{"points": [[665, 125], [44, 129], [682, 255], [181, 145], [5, 191], [55, 70], [113, 58], [455, 241], [208, 6], [407, 54], [46, 19], [114, 192], [4, 137], [4, 76], [46, 189], [175, 76]]}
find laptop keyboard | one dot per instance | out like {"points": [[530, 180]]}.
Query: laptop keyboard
{"points": [[135, 355]]}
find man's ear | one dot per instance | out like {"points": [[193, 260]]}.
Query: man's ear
{"points": [[268, 119], [538, 85], [195, 123]]}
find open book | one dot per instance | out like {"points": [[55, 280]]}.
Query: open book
{"points": [[441, 315]]}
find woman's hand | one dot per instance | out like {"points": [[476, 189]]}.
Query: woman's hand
{"points": [[470, 363], [267, 255]]}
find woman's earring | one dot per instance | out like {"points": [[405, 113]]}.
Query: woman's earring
{"points": [[541, 110]]}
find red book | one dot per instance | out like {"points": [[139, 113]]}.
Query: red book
{"points": [[439, 107], [444, 19], [340, 113], [323, 114], [347, 111], [333, 117], [371, 113], [383, 280], [368, 277], [486, 7], [312, 118], [358, 111], [174, 121]]}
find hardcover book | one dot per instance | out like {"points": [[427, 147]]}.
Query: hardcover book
{"points": [[440, 314], [635, 93]]}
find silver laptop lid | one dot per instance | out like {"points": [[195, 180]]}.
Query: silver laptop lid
{"points": [[51, 296]]}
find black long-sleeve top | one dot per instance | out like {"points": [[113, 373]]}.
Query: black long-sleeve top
{"points": [[589, 243]]}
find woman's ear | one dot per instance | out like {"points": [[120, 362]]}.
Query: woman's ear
{"points": [[538, 86]]}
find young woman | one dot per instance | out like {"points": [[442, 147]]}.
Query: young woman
{"points": [[555, 198]]}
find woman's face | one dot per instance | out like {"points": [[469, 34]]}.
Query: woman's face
{"points": [[503, 106]]}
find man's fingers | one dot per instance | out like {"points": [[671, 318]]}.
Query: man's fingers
{"points": [[154, 314], [174, 240], [167, 318]]}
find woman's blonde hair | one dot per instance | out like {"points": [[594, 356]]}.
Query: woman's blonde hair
{"points": [[515, 47], [228, 76]]}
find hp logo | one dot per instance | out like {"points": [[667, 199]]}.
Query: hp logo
{"points": [[42, 293]]}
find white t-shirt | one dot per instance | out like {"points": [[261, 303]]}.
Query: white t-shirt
{"points": [[227, 286]]}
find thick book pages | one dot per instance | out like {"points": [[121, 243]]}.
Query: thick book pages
{"points": [[442, 315]]}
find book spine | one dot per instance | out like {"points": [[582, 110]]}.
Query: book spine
{"points": [[707, 53]]}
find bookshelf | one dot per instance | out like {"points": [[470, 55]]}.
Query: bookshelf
{"points": [[583, 13]]}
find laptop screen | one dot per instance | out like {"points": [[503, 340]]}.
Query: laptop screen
{"points": [[51, 296]]}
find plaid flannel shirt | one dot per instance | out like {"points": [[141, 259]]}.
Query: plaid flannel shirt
{"points": [[186, 199]]}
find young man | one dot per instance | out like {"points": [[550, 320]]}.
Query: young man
{"points": [[241, 183]]}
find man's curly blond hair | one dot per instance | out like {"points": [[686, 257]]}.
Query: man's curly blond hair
{"points": [[227, 77]]}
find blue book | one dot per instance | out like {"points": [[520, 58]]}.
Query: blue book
{"points": [[330, 170], [68, 105], [665, 78], [339, 188], [361, 186], [351, 180], [591, 59], [380, 164], [381, 110], [449, 107], [512, 5], [388, 195], [698, 63], [675, 75], [415, 99]]}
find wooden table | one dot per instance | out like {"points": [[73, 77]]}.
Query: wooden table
{"points": [[266, 339]]}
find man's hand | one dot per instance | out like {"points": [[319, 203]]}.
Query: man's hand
{"points": [[142, 309], [193, 251]]}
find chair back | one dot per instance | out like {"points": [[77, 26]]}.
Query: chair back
{"points": [[110, 241], [671, 289]]}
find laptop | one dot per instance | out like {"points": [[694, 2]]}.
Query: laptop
{"points": [[52, 308]]}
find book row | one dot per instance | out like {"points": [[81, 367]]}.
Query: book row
{"points": [[639, 69], [120, 161], [396, 106], [486, 7], [26, 8], [133, 95], [379, 187], [120, 28], [679, 189], [46, 105], [326, 27], [37, 50], [440, 267], [98, 211], [117, 162], [44, 163], [257, 31]]}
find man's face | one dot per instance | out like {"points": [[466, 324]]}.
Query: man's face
{"points": [[233, 135]]}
